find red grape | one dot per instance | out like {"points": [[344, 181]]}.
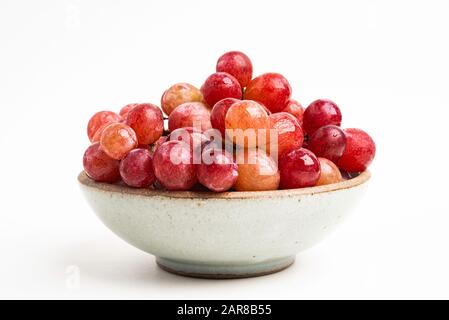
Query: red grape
{"points": [[218, 114], [173, 166], [218, 171], [244, 120], [257, 171], [296, 109], [220, 85], [329, 172], [321, 113], [117, 140], [100, 119], [147, 121], [190, 114], [99, 166], [136, 169], [299, 168], [126, 109], [328, 142], [271, 89], [359, 152], [238, 65], [178, 94], [289, 132]]}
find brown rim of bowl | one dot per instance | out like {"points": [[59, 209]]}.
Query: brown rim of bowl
{"points": [[346, 184]]}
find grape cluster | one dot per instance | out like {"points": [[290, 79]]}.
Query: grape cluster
{"points": [[234, 133]]}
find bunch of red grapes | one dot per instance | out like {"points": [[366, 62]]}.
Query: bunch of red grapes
{"points": [[215, 124]]}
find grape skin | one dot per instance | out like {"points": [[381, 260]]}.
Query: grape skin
{"points": [[99, 166]]}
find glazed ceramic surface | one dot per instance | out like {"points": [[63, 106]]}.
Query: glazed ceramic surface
{"points": [[225, 235]]}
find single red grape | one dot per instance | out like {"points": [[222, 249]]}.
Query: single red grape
{"points": [[257, 171], [100, 119], [238, 65], [117, 140], [190, 114], [147, 121], [220, 85], [218, 171], [99, 166], [359, 152], [218, 114], [289, 133], [271, 89], [321, 113], [136, 169], [296, 109], [244, 121], [178, 94], [329, 172], [174, 167], [299, 168], [328, 142]]}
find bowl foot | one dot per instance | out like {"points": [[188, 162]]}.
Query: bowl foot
{"points": [[210, 271]]}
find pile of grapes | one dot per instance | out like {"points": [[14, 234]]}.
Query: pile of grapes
{"points": [[235, 133]]}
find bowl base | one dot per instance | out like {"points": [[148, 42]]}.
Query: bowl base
{"points": [[209, 271]]}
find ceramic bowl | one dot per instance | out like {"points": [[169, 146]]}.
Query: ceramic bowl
{"points": [[223, 235]]}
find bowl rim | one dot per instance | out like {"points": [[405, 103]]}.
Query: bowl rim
{"points": [[362, 178]]}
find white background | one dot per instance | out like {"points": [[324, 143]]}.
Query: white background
{"points": [[384, 62]]}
